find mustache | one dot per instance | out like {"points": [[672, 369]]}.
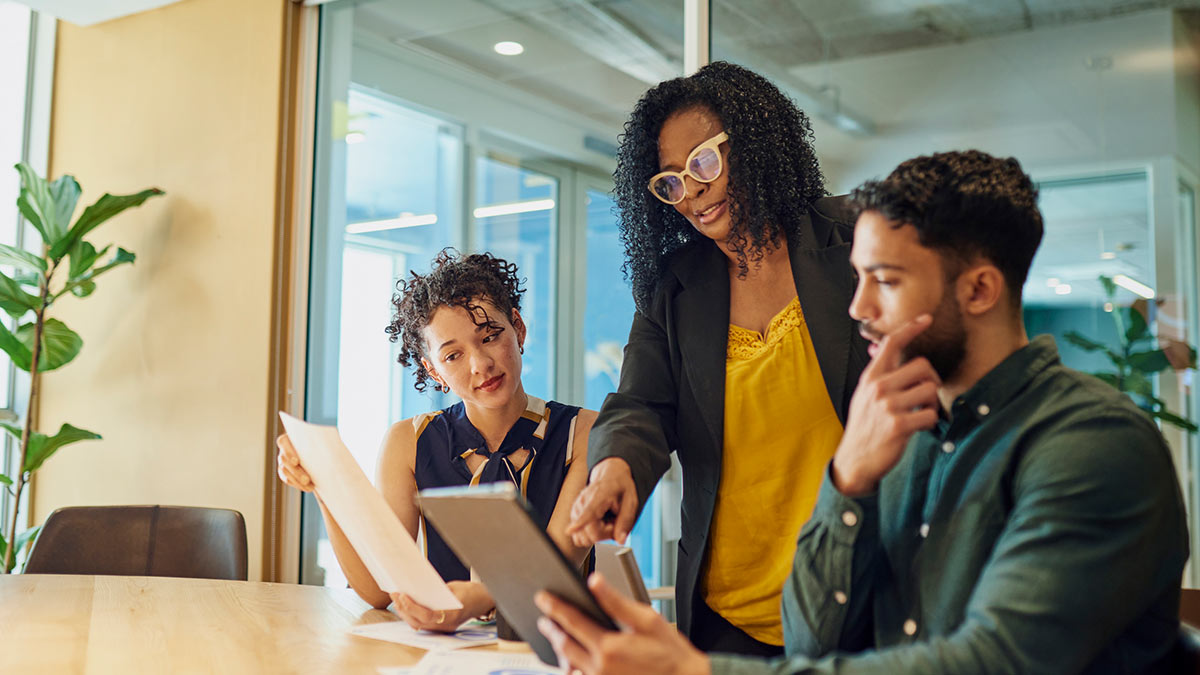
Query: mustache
{"points": [[871, 334]]}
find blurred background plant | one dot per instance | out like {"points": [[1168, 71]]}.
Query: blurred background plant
{"points": [[30, 284], [1138, 358]]}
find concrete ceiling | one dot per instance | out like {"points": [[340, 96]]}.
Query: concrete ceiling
{"points": [[88, 12]]}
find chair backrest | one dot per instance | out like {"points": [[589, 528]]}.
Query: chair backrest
{"points": [[156, 541]]}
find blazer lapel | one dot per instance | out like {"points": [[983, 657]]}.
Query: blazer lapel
{"points": [[703, 308], [825, 287]]}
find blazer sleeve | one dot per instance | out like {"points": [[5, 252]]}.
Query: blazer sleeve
{"points": [[637, 422]]}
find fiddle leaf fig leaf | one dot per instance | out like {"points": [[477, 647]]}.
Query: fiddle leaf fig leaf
{"points": [[60, 345], [83, 285], [1083, 342], [21, 259], [1137, 328], [1172, 418], [83, 256], [65, 193], [35, 202], [1149, 362], [16, 351], [1110, 286], [14, 299], [5, 480], [43, 447], [106, 207]]}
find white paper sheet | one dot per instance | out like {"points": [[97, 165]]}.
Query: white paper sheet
{"points": [[467, 635], [482, 662], [377, 535]]}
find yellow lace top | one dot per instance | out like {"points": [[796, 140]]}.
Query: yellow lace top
{"points": [[780, 433]]}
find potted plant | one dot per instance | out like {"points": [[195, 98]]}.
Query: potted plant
{"points": [[29, 285]]}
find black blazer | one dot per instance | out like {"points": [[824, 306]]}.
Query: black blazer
{"points": [[672, 391]]}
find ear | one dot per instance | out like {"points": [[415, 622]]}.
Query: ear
{"points": [[980, 289], [433, 374], [519, 325]]}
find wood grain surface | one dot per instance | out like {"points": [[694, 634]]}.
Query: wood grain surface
{"points": [[66, 625]]}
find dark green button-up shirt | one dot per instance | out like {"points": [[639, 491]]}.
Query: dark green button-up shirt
{"points": [[1037, 529]]}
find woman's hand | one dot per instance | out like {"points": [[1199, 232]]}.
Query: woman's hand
{"points": [[474, 597], [288, 466], [610, 490]]}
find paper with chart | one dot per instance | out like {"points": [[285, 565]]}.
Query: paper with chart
{"points": [[482, 662], [469, 634], [377, 535]]}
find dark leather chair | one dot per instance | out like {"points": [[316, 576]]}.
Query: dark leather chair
{"points": [[156, 541], [1184, 657]]}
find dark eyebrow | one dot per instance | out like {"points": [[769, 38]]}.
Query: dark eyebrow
{"points": [[447, 343], [883, 266]]}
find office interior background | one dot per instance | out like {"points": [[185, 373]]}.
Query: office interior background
{"points": [[313, 153]]}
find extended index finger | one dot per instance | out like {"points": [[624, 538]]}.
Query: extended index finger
{"points": [[589, 507], [890, 348]]}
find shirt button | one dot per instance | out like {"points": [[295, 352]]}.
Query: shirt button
{"points": [[984, 409], [947, 447], [840, 598], [910, 627], [849, 518], [924, 530]]}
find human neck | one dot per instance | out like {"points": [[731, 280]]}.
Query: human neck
{"points": [[493, 423], [988, 344]]}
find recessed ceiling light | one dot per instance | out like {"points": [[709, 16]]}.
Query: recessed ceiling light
{"points": [[355, 137], [1053, 281], [1063, 289], [509, 48], [1108, 255]]}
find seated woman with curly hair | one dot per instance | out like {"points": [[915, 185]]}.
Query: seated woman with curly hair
{"points": [[460, 326], [742, 357]]}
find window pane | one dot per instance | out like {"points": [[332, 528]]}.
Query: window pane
{"points": [[515, 210]]}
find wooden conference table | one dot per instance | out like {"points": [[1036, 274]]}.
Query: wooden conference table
{"points": [[67, 625]]}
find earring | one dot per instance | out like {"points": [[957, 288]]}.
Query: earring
{"points": [[522, 348]]}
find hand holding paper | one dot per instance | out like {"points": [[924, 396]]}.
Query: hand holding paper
{"points": [[385, 547]]}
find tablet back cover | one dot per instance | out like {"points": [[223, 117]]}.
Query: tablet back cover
{"points": [[489, 528]]}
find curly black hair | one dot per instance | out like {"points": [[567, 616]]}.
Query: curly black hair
{"points": [[773, 170], [456, 280], [966, 205]]}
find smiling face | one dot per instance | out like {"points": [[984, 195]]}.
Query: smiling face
{"points": [[479, 363], [898, 280], [705, 205]]}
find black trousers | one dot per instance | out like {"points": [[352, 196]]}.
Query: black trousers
{"points": [[712, 633]]}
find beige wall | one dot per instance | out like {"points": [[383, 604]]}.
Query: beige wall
{"points": [[174, 369]]}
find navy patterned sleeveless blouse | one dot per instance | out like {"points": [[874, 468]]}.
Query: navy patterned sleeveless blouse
{"points": [[446, 438]]}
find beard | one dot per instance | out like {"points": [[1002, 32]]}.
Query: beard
{"points": [[943, 343]]}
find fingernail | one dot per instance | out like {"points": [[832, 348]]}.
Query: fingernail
{"points": [[545, 626], [542, 600], [924, 318], [595, 579]]}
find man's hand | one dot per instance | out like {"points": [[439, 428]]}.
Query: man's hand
{"points": [[610, 490], [892, 402], [647, 644]]}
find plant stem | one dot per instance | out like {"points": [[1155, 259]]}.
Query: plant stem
{"points": [[27, 432]]}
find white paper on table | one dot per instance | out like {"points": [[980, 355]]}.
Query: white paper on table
{"points": [[482, 662], [467, 635], [377, 535]]}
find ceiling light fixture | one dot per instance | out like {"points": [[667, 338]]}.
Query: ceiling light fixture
{"points": [[1063, 289], [509, 48], [1108, 255], [514, 207], [1134, 285], [355, 137], [1053, 281], [404, 220]]}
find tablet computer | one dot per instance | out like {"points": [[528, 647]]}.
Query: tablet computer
{"points": [[491, 528], [619, 567]]}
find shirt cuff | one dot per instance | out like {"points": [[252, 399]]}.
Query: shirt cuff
{"points": [[844, 518]]}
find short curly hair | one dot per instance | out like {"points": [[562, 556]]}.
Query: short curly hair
{"points": [[456, 280], [966, 205], [773, 170]]}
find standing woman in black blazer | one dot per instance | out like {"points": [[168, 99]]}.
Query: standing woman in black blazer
{"points": [[742, 356]]}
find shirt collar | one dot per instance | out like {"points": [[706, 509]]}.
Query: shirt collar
{"points": [[1002, 383], [532, 422]]}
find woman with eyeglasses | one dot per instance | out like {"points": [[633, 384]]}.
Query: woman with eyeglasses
{"points": [[742, 356], [460, 326]]}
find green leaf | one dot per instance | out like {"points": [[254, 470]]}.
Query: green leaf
{"points": [[1149, 362], [21, 259], [60, 345], [1172, 418], [1138, 383], [16, 351], [1083, 342], [42, 447], [35, 202], [1110, 378], [13, 430], [14, 299], [106, 207], [1137, 326], [1110, 287], [83, 256], [5, 480], [65, 193], [28, 278], [80, 286]]}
